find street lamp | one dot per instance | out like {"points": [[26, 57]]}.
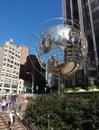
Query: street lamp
{"points": [[48, 121], [32, 81]]}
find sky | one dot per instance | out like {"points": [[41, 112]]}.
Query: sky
{"points": [[18, 18]]}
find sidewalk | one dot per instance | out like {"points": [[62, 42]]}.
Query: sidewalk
{"points": [[18, 125], [6, 111]]}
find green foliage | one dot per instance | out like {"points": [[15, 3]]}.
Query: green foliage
{"points": [[91, 87], [68, 90], [77, 88], [64, 113]]}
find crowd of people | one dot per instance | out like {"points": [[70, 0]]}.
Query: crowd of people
{"points": [[6, 104]]}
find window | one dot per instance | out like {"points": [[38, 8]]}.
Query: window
{"points": [[8, 65], [4, 59], [8, 60], [12, 53], [12, 57], [11, 61], [3, 69], [11, 66], [9, 51], [2, 74], [4, 64]]}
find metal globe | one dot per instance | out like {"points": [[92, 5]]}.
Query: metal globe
{"points": [[61, 48]]}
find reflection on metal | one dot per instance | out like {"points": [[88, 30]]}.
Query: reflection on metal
{"points": [[46, 44], [61, 48]]}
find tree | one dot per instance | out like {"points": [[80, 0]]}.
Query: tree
{"points": [[63, 113]]}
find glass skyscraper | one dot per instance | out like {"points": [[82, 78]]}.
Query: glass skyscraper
{"points": [[86, 14]]}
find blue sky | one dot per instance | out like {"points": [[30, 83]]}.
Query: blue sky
{"points": [[18, 18]]}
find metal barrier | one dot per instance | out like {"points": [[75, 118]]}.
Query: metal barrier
{"points": [[29, 125]]}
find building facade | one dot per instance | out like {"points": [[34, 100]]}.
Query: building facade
{"points": [[34, 75], [23, 56], [9, 67], [10, 61], [86, 14]]}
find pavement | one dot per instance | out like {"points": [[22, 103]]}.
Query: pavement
{"points": [[5, 116], [6, 111]]}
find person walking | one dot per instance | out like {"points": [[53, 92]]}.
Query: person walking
{"points": [[3, 105], [12, 117], [7, 102], [20, 108]]}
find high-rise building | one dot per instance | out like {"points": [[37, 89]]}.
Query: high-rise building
{"points": [[86, 14], [34, 74], [24, 53], [10, 56], [23, 56]]}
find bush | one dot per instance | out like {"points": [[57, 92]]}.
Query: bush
{"points": [[64, 113], [91, 87]]}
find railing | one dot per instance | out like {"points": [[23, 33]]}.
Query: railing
{"points": [[19, 114], [20, 122], [29, 125], [26, 123]]}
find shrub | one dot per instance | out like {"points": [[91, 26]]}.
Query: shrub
{"points": [[64, 113]]}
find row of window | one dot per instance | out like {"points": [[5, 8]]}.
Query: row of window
{"points": [[10, 66], [12, 53], [10, 76], [11, 61], [6, 80], [13, 56], [9, 71], [94, 3], [12, 49]]}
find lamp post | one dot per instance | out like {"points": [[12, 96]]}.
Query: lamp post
{"points": [[32, 81], [48, 121]]}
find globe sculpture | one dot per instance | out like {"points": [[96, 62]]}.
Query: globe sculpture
{"points": [[60, 46]]}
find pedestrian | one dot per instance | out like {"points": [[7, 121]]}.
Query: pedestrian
{"points": [[0, 101], [3, 105], [12, 117], [7, 102], [20, 108]]}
